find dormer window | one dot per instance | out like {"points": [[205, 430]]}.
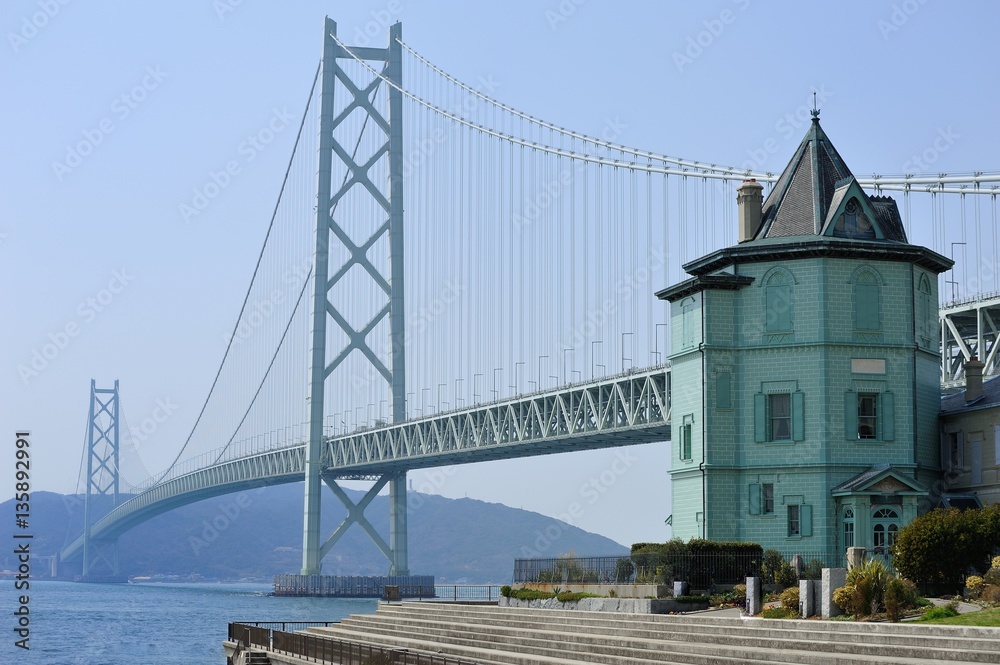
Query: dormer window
{"points": [[854, 223]]}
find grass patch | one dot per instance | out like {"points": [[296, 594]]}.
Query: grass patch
{"points": [[988, 618]]}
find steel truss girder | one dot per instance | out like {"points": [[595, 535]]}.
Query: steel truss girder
{"points": [[618, 411], [969, 329], [633, 407]]}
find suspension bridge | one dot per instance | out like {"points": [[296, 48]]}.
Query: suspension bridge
{"points": [[446, 279]]}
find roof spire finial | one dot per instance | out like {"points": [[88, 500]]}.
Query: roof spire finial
{"points": [[815, 111]]}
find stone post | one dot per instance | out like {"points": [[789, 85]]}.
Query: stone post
{"points": [[833, 578], [855, 557], [798, 564], [807, 598], [755, 599]]}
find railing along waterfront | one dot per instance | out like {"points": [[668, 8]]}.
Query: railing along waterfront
{"points": [[466, 592], [700, 570], [320, 649]]}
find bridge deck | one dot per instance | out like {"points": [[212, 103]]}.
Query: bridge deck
{"points": [[623, 410]]}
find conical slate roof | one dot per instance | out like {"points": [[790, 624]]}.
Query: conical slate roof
{"points": [[814, 191]]}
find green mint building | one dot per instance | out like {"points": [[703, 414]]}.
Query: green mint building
{"points": [[805, 370]]}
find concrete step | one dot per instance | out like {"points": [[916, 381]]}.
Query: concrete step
{"points": [[644, 645], [475, 648], [865, 628], [952, 643]]}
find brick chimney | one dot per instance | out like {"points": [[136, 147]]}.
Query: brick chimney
{"points": [[749, 199], [973, 379]]}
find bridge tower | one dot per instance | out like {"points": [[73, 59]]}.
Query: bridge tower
{"points": [[100, 558], [329, 230]]}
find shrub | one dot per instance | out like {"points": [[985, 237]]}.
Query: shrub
{"points": [[572, 596], [846, 598], [740, 594], [975, 584], [992, 576], [813, 570], [790, 598], [940, 612], [505, 590], [779, 613], [530, 594], [937, 548], [900, 595], [869, 581], [786, 576], [990, 594], [623, 570], [770, 565], [995, 564]]}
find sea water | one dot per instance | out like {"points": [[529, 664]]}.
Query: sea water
{"points": [[155, 624]]}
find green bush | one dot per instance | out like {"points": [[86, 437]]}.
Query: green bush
{"points": [[770, 565], [623, 570], [937, 548], [869, 581], [572, 596], [790, 598], [813, 570], [900, 595], [530, 594], [847, 599], [739, 594], [505, 590], [940, 612], [786, 576], [975, 584]]}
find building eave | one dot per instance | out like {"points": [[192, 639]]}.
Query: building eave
{"points": [[704, 283], [813, 247]]}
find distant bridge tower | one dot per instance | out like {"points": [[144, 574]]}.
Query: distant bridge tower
{"points": [[100, 558], [329, 230]]}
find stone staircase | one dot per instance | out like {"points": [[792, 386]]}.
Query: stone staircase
{"points": [[494, 635]]}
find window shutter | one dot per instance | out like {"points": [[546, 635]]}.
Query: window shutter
{"points": [[760, 417], [798, 417], [866, 314], [961, 450], [723, 394], [850, 415], [806, 517], [887, 417], [754, 498]]}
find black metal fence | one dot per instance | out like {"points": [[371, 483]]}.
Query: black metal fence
{"points": [[322, 649], [700, 570], [466, 592]]}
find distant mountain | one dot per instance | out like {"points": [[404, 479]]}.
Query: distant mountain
{"points": [[258, 533]]}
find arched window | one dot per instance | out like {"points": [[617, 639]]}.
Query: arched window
{"points": [[778, 302], [849, 527], [687, 322], [885, 528], [853, 223], [867, 301], [926, 323]]}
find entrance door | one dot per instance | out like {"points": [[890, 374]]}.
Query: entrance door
{"points": [[885, 528]]}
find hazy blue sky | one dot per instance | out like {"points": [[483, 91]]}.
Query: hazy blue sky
{"points": [[167, 92]]}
